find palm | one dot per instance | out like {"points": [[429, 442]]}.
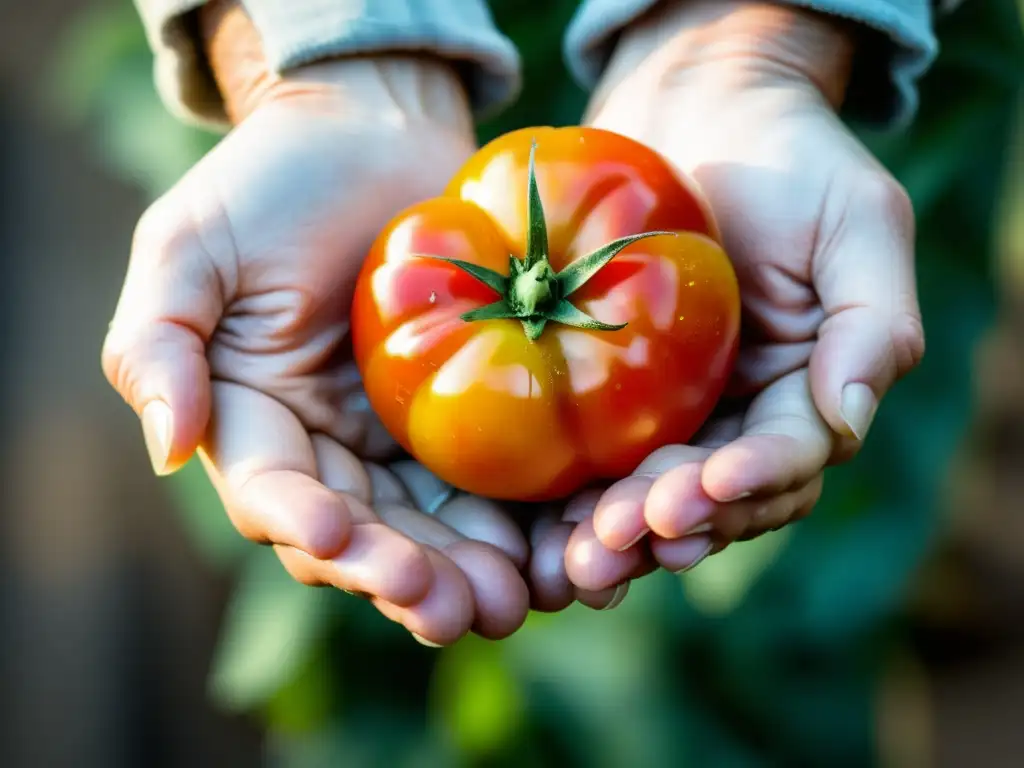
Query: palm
{"points": [[757, 464], [277, 218], [298, 219]]}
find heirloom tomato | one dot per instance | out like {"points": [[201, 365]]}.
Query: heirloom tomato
{"points": [[562, 310]]}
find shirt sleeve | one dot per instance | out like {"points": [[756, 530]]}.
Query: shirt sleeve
{"points": [[296, 32], [883, 84]]}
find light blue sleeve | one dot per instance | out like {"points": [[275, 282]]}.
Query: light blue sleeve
{"points": [[883, 87], [296, 32]]}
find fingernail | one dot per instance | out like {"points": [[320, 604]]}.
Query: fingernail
{"points": [[703, 547], [738, 497], [857, 407], [157, 428], [618, 597], [424, 641], [639, 536], [702, 528]]}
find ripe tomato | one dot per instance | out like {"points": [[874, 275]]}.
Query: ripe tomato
{"points": [[504, 347]]}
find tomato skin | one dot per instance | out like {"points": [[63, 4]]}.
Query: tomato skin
{"points": [[496, 414]]}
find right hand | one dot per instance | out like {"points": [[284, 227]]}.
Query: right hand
{"points": [[231, 337]]}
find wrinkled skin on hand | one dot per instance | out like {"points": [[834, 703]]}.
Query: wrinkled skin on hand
{"points": [[231, 336], [743, 97]]}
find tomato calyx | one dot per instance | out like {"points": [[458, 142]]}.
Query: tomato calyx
{"points": [[533, 292]]}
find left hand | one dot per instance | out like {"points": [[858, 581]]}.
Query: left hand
{"points": [[743, 96]]}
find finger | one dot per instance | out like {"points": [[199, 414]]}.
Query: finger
{"points": [[340, 470], [445, 614], [785, 443], [758, 366], [483, 520], [670, 508], [669, 456], [773, 513], [592, 566], [719, 431], [605, 599], [385, 488], [582, 505], [677, 506], [499, 593], [262, 464], [418, 526], [154, 354], [865, 280], [355, 424], [307, 570], [427, 491], [619, 520], [472, 516], [550, 588], [378, 561], [681, 555]]}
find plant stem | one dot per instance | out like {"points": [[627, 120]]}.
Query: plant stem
{"points": [[535, 291]]}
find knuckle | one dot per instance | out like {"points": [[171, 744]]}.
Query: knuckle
{"points": [[120, 363], [883, 193], [908, 342], [168, 235], [112, 363], [138, 357], [156, 228]]}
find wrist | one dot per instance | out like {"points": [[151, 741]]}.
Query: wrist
{"points": [[381, 86], [741, 41]]}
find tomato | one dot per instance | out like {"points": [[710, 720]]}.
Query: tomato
{"points": [[515, 344]]}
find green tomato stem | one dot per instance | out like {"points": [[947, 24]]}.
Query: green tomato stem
{"points": [[533, 292]]}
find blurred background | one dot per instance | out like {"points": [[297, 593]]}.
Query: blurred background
{"points": [[136, 628]]}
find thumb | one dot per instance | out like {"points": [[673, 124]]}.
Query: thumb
{"points": [[872, 334], [155, 351]]}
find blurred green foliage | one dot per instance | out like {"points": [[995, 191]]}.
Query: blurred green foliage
{"points": [[769, 654]]}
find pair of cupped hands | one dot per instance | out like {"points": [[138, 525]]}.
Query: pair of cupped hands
{"points": [[231, 333]]}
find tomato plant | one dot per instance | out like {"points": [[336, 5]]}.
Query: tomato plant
{"points": [[562, 310]]}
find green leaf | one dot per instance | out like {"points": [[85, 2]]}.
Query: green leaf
{"points": [[499, 310], [305, 703], [270, 628], [580, 271], [479, 701], [536, 228], [488, 277], [568, 314]]}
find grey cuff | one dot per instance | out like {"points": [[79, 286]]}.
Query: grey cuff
{"points": [[296, 32], [883, 86], [180, 72]]}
